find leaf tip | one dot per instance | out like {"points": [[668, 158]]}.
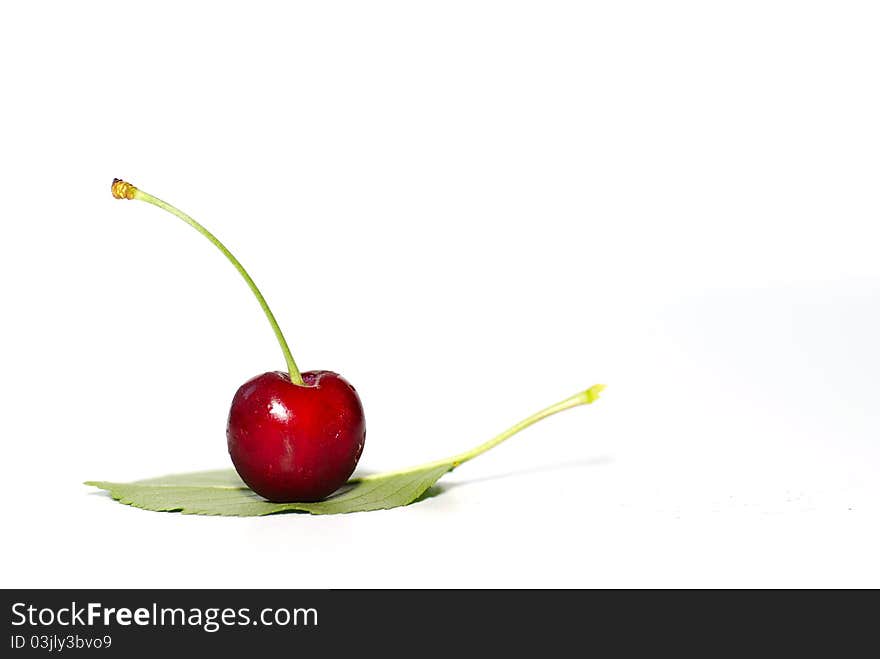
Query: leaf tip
{"points": [[592, 394]]}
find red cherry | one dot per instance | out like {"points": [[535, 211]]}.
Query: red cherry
{"points": [[291, 436], [295, 443]]}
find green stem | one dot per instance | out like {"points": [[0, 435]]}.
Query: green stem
{"points": [[123, 190], [582, 398]]}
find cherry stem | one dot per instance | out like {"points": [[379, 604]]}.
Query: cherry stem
{"points": [[585, 397], [123, 190]]}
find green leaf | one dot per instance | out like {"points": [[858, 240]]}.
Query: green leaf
{"points": [[222, 492]]}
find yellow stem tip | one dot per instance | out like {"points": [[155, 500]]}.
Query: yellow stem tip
{"points": [[122, 189]]}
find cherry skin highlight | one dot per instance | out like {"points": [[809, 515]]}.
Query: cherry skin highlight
{"points": [[292, 443]]}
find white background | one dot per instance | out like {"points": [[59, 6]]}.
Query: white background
{"points": [[471, 210]]}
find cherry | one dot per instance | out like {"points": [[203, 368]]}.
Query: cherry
{"points": [[295, 443], [291, 436]]}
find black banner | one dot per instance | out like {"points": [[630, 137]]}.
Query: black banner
{"points": [[129, 623]]}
